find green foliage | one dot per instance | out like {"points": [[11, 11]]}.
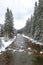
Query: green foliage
{"points": [[8, 26]]}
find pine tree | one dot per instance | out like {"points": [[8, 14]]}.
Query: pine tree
{"points": [[35, 27], [35, 19], [8, 26], [27, 27], [31, 26], [39, 28]]}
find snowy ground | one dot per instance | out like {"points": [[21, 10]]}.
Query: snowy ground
{"points": [[32, 40], [6, 43]]}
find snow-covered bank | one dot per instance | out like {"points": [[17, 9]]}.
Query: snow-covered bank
{"points": [[6, 43], [32, 40]]}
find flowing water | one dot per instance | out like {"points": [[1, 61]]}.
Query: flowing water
{"points": [[20, 56]]}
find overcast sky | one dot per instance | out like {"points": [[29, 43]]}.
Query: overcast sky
{"points": [[21, 9]]}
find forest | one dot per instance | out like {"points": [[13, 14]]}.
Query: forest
{"points": [[34, 25]]}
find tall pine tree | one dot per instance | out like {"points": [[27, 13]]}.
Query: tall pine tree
{"points": [[39, 27], [35, 19], [8, 26]]}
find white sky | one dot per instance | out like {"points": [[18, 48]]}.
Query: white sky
{"points": [[21, 9]]}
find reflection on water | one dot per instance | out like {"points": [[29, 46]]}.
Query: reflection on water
{"points": [[19, 58]]}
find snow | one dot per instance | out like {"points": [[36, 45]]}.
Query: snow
{"points": [[14, 50], [29, 53], [6, 43], [41, 52], [32, 40], [21, 50], [29, 48]]}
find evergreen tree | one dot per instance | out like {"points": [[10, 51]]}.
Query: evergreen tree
{"points": [[35, 19], [31, 26], [8, 26], [39, 27], [34, 28], [27, 27]]}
